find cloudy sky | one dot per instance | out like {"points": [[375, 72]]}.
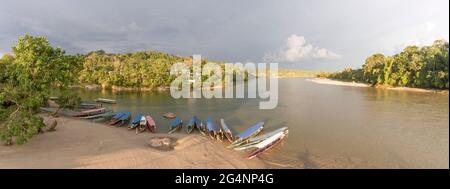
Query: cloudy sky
{"points": [[314, 35]]}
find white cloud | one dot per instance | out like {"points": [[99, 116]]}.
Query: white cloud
{"points": [[420, 35], [297, 49]]}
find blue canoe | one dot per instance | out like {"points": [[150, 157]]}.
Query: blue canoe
{"points": [[200, 126], [118, 115], [210, 126], [213, 129], [226, 131], [121, 118], [193, 122], [136, 121], [176, 124], [248, 133], [125, 116]]}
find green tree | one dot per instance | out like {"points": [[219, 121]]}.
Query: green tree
{"points": [[374, 69], [139, 69], [36, 69], [5, 61], [425, 67]]}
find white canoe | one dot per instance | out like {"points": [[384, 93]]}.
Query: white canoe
{"points": [[263, 142], [252, 141], [143, 121], [266, 144]]}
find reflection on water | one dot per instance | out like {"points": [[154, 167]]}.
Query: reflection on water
{"points": [[330, 126]]}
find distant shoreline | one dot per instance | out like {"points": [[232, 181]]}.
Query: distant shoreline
{"points": [[317, 80], [132, 89], [355, 84], [117, 88]]}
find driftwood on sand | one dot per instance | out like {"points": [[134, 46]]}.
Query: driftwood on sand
{"points": [[162, 143]]}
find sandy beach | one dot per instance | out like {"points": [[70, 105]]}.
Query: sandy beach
{"points": [[82, 144], [334, 82], [355, 84]]}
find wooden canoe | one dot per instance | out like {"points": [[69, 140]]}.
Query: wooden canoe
{"points": [[226, 131], [255, 142], [201, 127], [118, 115], [135, 122], [91, 112], [175, 125], [105, 115], [150, 124], [248, 133], [114, 121], [120, 118], [105, 100], [124, 119], [212, 129], [266, 145], [191, 124], [86, 105], [142, 126], [115, 118]]}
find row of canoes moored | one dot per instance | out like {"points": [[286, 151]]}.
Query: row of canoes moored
{"points": [[249, 139]]}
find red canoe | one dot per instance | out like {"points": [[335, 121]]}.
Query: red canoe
{"points": [[150, 124]]}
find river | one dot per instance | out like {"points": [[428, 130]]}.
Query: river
{"points": [[330, 126]]}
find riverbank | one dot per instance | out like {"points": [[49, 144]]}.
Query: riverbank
{"points": [[118, 88], [355, 84], [282, 73], [413, 89], [129, 89], [81, 144]]}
